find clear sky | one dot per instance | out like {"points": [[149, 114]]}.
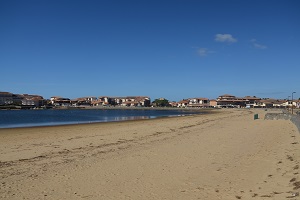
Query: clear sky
{"points": [[159, 48]]}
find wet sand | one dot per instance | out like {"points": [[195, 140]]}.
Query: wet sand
{"points": [[224, 155]]}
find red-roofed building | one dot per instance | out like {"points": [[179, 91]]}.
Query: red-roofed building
{"points": [[60, 101], [229, 101], [183, 103]]}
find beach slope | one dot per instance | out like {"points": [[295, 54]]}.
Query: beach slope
{"points": [[223, 155]]}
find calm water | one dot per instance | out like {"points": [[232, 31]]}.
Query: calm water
{"points": [[28, 118]]}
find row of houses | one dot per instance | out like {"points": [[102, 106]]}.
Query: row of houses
{"points": [[133, 101], [223, 101], [231, 101], [7, 98], [255, 102]]}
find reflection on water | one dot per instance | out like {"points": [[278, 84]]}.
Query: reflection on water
{"points": [[107, 119], [28, 118]]}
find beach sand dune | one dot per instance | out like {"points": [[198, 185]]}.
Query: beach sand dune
{"points": [[223, 155]]}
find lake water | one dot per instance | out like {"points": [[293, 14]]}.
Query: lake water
{"points": [[29, 118]]}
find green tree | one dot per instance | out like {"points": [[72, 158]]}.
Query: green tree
{"points": [[161, 102]]}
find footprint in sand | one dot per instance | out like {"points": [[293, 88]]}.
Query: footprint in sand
{"points": [[293, 180], [297, 185], [296, 167], [290, 158]]}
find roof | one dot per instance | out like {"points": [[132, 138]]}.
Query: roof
{"points": [[252, 98], [183, 101], [233, 100], [200, 98], [273, 101], [88, 97], [227, 95], [5, 93]]}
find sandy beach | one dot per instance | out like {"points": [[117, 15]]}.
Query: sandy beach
{"points": [[223, 155]]}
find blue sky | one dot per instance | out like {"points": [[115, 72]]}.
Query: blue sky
{"points": [[173, 49]]}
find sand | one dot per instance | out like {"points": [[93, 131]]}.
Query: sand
{"points": [[224, 155]]}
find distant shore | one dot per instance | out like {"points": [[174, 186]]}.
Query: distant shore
{"points": [[150, 108], [104, 107]]}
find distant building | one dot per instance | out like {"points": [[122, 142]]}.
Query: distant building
{"points": [[17, 99], [173, 104], [198, 102], [297, 103], [33, 100], [103, 101], [60, 101], [130, 101], [83, 101], [228, 101], [212, 103], [183, 103], [6, 98], [134, 101], [251, 101]]}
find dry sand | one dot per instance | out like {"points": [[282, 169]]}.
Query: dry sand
{"points": [[226, 155]]}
